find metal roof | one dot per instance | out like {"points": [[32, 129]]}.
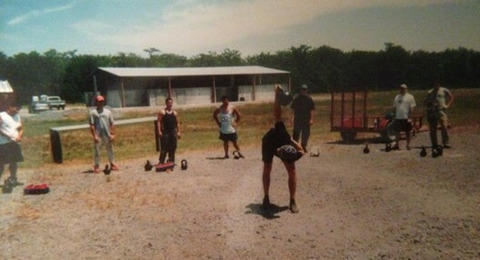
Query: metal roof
{"points": [[5, 87], [197, 71]]}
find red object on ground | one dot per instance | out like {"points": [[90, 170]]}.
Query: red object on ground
{"points": [[33, 189], [164, 167]]}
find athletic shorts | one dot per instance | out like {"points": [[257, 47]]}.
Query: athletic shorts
{"points": [[228, 137], [10, 153], [271, 141], [402, 125]]}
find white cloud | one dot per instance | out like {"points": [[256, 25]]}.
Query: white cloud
{"points": [[195, 26], [36, 13]]}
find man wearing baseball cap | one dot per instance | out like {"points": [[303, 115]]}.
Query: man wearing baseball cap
{"points": [[403, 106], [303, 108], [101, 126]]}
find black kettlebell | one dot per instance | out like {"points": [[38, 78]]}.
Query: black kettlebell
{"points": [[236, 155], [183, 164]]}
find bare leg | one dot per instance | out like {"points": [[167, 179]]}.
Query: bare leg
{"points": [[236, 145], [267, 169], [13, 170], [292, 179], [225, 148], [397, 138]]}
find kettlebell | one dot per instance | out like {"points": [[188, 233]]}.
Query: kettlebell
{"points": [[183, 164], [236, 155]]}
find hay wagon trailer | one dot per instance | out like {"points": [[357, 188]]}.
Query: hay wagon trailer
{"points": [[349, 115]]}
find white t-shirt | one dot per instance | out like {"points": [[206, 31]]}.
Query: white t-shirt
{"points": [[441, 96], [403, 105], [9, 127]]}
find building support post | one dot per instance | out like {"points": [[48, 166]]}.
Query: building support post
{"points": [[123, 93], [169, 87], [253, 88], [214, 90]]}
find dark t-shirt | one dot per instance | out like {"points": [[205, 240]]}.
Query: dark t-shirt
{"points": [[302, 105], [273, 140]]}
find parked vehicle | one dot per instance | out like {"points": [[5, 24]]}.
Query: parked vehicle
{"points": [[55, 102], [38, 104], [45, 102]]}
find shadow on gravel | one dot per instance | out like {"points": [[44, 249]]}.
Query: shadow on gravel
{"points": [[216, 158], [374, 140], [268, 214]]}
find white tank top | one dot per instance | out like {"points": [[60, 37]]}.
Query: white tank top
{"points": [[226, 121]]}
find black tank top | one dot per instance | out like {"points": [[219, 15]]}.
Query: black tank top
{"points": [[169, 122]]}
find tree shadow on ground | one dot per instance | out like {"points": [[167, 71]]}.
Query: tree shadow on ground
{"points": [[268, 214]]}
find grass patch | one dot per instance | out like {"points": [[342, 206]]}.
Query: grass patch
{"points": [[200, 132]]}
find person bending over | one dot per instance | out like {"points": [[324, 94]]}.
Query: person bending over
{"points": [[277, 142]]}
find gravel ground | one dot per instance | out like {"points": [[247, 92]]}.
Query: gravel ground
{"points": [[380, 205]]}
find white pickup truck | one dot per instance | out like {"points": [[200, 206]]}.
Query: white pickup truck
{"points": [[55, 102]]}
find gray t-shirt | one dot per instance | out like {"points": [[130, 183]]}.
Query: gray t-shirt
{"points": [[102, 121]]}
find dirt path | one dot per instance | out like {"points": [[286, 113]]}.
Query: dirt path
{"points": [[352, 206]]}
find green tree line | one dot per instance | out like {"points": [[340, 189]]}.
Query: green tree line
{"points": [[323, 68]]}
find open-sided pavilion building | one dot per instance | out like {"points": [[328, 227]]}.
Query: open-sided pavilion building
{"points": [[131, 87]]}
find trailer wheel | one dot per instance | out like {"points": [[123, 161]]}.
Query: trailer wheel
{"points": [[348, 136], [390, 134]]}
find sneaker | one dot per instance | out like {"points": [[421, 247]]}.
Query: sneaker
{"points": [[114, 167], [96, 169], [396, 147], [226, 156], [409, 148]]}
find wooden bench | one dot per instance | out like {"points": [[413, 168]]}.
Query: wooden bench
{"points": [[56, 143]]}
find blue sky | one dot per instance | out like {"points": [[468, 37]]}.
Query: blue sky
{"points": [[190, 27]]}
